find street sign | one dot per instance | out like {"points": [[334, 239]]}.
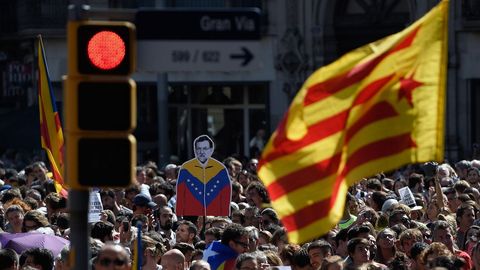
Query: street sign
{"points": [[198, 24], [221, 56]]}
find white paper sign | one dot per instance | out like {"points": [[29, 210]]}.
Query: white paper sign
{"points": [[406, 196], [280, 268], [95, 208]]}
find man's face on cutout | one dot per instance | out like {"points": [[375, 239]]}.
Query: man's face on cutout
{"points": [[203, 151]]}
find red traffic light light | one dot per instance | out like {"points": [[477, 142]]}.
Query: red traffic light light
{"points": [[101, 48], [106, 50]]}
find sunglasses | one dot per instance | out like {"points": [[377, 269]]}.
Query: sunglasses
{"points": [[244, 245], [108, 261], [31, 227]]}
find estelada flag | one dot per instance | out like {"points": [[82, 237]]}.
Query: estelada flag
{"points": [[50, 127], [375, 109], [220, 256]]}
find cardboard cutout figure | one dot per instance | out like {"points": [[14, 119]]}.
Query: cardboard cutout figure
{"points": [[203, 184]]}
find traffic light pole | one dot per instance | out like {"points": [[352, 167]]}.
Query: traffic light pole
{"points": [[79, 200], [162, 113], [79, 231]]}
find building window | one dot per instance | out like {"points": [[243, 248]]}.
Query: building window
{"points": [[230, 114]]}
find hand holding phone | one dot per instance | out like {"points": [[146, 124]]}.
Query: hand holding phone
{"points": [[126, 225]]}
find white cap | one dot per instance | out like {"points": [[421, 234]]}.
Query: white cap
{"points": [[388, 204]]}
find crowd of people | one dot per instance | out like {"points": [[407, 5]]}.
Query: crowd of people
{"points": [[438, 228]]}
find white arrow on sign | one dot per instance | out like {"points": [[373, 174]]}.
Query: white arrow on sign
{"points": [[222, 56]]}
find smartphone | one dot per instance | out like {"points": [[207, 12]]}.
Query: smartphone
{"points": [[126, 225]]}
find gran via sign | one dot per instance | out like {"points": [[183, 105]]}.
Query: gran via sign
{"points": [[198, 24], [225, 40]]}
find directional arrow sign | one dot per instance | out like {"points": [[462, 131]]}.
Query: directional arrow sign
{"points": [[222, 56], [246, 55]]}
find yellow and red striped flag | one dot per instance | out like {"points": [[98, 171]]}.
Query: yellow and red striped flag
{"points": [[375, 109], [50, 127]]}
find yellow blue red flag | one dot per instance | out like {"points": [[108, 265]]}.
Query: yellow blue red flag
{"points": [[50, 127], [375, 109]]}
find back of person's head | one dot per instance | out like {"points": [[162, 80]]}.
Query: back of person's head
{"points": [[300, 259], [270, 213], [199, 265], [388, 183], [243, 258], [55, 201], [102, 230], [398, 228], [155, 247], [355, 231], [95, 245], [441, 225], [10, 195], [435, 249], [40, 257], [8, 259], [417, 249], [400, 261], [167, 189], [62, 257], [446, 262], [215, 232], [460, 186], [273, 258], [332, 260], [200, 245], [463, 165], [233, 232], [184, 247], [287, 253], [379, 197], [143, 219], [173, 258], [341, 235], [266, 247], [414, 179], [237, 187], [374, 184], [279, 234]]}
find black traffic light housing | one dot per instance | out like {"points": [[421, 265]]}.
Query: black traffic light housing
{"points": [[100, 104]]}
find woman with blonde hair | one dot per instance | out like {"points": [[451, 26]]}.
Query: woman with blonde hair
{"points": [[152, 252]]}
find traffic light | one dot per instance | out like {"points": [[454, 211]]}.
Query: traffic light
{"points": [[100, 104]]}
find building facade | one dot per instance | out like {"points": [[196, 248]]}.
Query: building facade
{"points": [[232, 104]]}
